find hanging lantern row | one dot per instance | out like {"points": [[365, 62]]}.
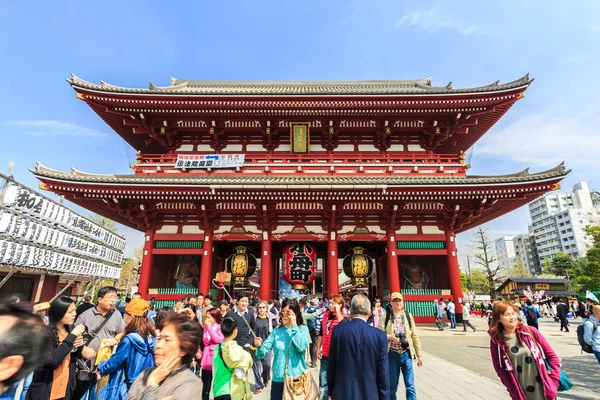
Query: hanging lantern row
{"points": [[358, 266], [21, 228], [19, 255], [300, 263], [35, 206], [241, 265]]}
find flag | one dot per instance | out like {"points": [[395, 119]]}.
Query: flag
{"points": [[591, 296]]}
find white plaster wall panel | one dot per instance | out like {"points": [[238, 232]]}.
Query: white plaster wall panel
{"points": [[284, 147], [224, 229], [376, 229], [316, 147], [345, 147], [315, 229], [185, 147], [233, 147], [415, 147], [368, 147], [191, 229], [408, 230], [396, 147], [168, 229], [205, 148], [431, 230], [255, 147], [283, 229]]}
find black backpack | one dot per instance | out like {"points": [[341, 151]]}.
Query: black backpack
{"points": [[580, 332], [531, 315], [388, 316]]}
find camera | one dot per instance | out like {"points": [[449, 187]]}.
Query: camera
{"points": [[403, 341]]}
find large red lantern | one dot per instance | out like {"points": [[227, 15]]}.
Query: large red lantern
{"points": [[299, 263]]}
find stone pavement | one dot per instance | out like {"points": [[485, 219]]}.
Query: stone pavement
{"points": [[457, 365]]}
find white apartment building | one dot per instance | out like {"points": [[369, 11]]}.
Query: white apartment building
{"points": [[525, 250], [505, 252], [567, 233]]}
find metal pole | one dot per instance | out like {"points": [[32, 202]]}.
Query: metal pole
{"points": [[7, 277], [38, 293], [469, 271], [6, 180], [63, 290]]}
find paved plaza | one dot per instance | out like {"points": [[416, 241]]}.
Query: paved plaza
{"points": [[457, 365]]}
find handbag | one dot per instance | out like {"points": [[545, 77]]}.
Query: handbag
{"points": [[83, 368], [564, 383], [303, 387]]}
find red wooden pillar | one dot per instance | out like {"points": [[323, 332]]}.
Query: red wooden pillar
{"points": [[206, 266], [454, 270], [265, 268], [392, 262], [332, 266], [146, 267]]}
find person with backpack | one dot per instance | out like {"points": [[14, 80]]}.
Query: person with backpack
{"points": [[404, 345], [591, 333], [532, 315], [134, 354]]}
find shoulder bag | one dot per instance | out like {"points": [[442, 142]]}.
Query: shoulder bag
{"points": [[303, 387], [83, 368], [564, 383]]}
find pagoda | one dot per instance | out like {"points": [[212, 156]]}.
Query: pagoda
{"points": [[377, 166]]}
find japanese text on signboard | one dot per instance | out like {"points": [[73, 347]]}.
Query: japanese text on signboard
{"points": [[209, 161]]}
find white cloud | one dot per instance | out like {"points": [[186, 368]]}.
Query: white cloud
{"points": [[45, 127], [545, 140], [434, 19]]}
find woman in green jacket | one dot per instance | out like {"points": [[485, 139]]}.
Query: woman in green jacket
{"points": [[291, 337]]}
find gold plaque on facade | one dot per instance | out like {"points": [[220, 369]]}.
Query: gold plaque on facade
{"points": [[541, 286], [300, 137]]}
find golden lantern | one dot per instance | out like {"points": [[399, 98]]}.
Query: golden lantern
{"points": [[358, 266], [241, 265]]}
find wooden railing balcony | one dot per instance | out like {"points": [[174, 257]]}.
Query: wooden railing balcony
{"points": [[318, 164]]}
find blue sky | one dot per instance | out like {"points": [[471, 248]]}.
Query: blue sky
{"points": [[470, 43]]}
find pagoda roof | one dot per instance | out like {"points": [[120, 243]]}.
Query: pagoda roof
{"points": [[467, 196], [295, 88], [330, 180]]}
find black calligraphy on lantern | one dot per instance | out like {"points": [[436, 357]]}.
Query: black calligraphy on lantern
{"points": [[300, 264]]}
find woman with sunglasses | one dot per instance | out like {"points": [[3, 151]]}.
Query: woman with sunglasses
{"points": [[291, 338]]}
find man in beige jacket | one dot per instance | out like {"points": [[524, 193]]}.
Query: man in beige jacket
{"points": [[403, 345]]}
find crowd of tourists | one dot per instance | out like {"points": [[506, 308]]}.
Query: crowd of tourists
{"points": [[129, 350]]}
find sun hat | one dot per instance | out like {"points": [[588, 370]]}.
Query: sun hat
{"points": [[395, 295]]}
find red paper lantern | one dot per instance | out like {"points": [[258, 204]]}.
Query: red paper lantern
{"points": [[299, 263]]}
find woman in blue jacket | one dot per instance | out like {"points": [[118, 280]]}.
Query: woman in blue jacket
{"points": [[134, 354]]}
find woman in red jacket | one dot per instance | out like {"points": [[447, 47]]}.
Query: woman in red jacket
{"points": [[518, 353], [325, 324]]}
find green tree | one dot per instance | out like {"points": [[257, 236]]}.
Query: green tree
{"points": [[104, 222], [562, 265], [519, 270], [588, 270], [547, 266], [464, 282]]}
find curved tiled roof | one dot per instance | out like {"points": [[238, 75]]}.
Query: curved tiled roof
{"points": [[287, 88], [521, 177]]}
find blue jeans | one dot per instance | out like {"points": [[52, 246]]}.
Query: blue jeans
{"points": [[452, 320], [597, 354], [401, 362], [323, 379]]}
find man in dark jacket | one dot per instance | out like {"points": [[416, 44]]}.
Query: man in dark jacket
{"points": [[358, 357], [561, 313]]}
